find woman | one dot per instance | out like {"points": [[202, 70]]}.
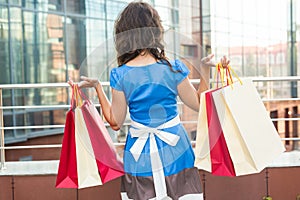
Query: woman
{"points": [[158, 157]]}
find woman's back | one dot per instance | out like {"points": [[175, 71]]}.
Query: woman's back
{"points": [[150, 90]]}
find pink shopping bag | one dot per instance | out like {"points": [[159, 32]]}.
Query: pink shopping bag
{"points": [[88, 156]]}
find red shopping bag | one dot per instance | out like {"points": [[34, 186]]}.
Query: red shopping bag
{"points": [[67, 170], [221, 163]]}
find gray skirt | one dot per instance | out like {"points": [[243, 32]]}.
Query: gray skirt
{"points": [[184, 185]]}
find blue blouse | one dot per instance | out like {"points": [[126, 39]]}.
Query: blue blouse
{"points": [[151, 95]]}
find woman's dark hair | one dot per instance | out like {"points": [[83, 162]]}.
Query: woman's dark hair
{"points": [[138, 29]]}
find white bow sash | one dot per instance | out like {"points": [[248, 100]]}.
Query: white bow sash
{"points": [[142, 133]]}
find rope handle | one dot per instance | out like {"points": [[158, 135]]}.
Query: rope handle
{"points": [[225, 74], [77, 97]]}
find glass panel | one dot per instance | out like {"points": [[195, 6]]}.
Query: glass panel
{"points": [[76, 6], [4, 46], [87, 47], [15, 2], [17, 46], [263, 33], [35, 58], [263, 13], [297, 7], [262, 59], [176, 3], [221, 39], [114, 8], [278, 35], [235, 10], [53, 5], [205, 7], [236, 28], [250, 31], [175, 17], [236, 54], [221, 8], [165, 16], [44, 54], [206, 24], [249, 12], [165, 3], [222, 24], [95, 8], [250, 59], [277, 20]]}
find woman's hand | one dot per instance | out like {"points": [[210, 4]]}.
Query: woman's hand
{"points": [[86, 82], [207, 61], [224, 62]]}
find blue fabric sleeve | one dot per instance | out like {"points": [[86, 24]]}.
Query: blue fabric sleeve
{"points": [[183, 71], [115, 80]]}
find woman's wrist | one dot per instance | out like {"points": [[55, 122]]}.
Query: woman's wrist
{"points": [[98, 86]]}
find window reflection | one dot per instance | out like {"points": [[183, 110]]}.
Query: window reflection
{"points": [[4, 48], [44, 5], [255, 33], [86, 45], [49, 43]]}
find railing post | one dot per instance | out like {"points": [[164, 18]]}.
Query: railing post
{"points": [[2, 150]]}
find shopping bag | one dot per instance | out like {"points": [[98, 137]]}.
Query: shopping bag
{"points": [[202, 148], [96, 159], [67, 170], [245, 133], [211, 149], [108, 161], [87, 169], [211, 152], [221, 163], [251, 137]]}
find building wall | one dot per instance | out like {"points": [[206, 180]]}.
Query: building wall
{"points": [[279, 183]]}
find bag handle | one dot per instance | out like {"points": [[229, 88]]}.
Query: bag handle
{"points": [[78, 98], [73, 101], [225, 74]]}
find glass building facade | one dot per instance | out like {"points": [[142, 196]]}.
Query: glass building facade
{"points": [[52, 41], [48, 41], [261, 38]]}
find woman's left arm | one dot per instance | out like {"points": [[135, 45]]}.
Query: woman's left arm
{"points": [[186, 91]]}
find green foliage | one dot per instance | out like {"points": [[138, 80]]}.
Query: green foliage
{"points": [[267, 198]]}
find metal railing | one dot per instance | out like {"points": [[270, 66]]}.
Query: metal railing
{"points": [[65, 85]]}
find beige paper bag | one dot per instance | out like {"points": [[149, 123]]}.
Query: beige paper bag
{"points": [[202, 149], [251, 137], [87, 169]]}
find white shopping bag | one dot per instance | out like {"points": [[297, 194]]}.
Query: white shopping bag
{"points": [[202, 148], [251, 137], [88, 174]]}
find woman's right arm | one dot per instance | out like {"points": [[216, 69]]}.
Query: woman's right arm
{"points": [[115, 111]]}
